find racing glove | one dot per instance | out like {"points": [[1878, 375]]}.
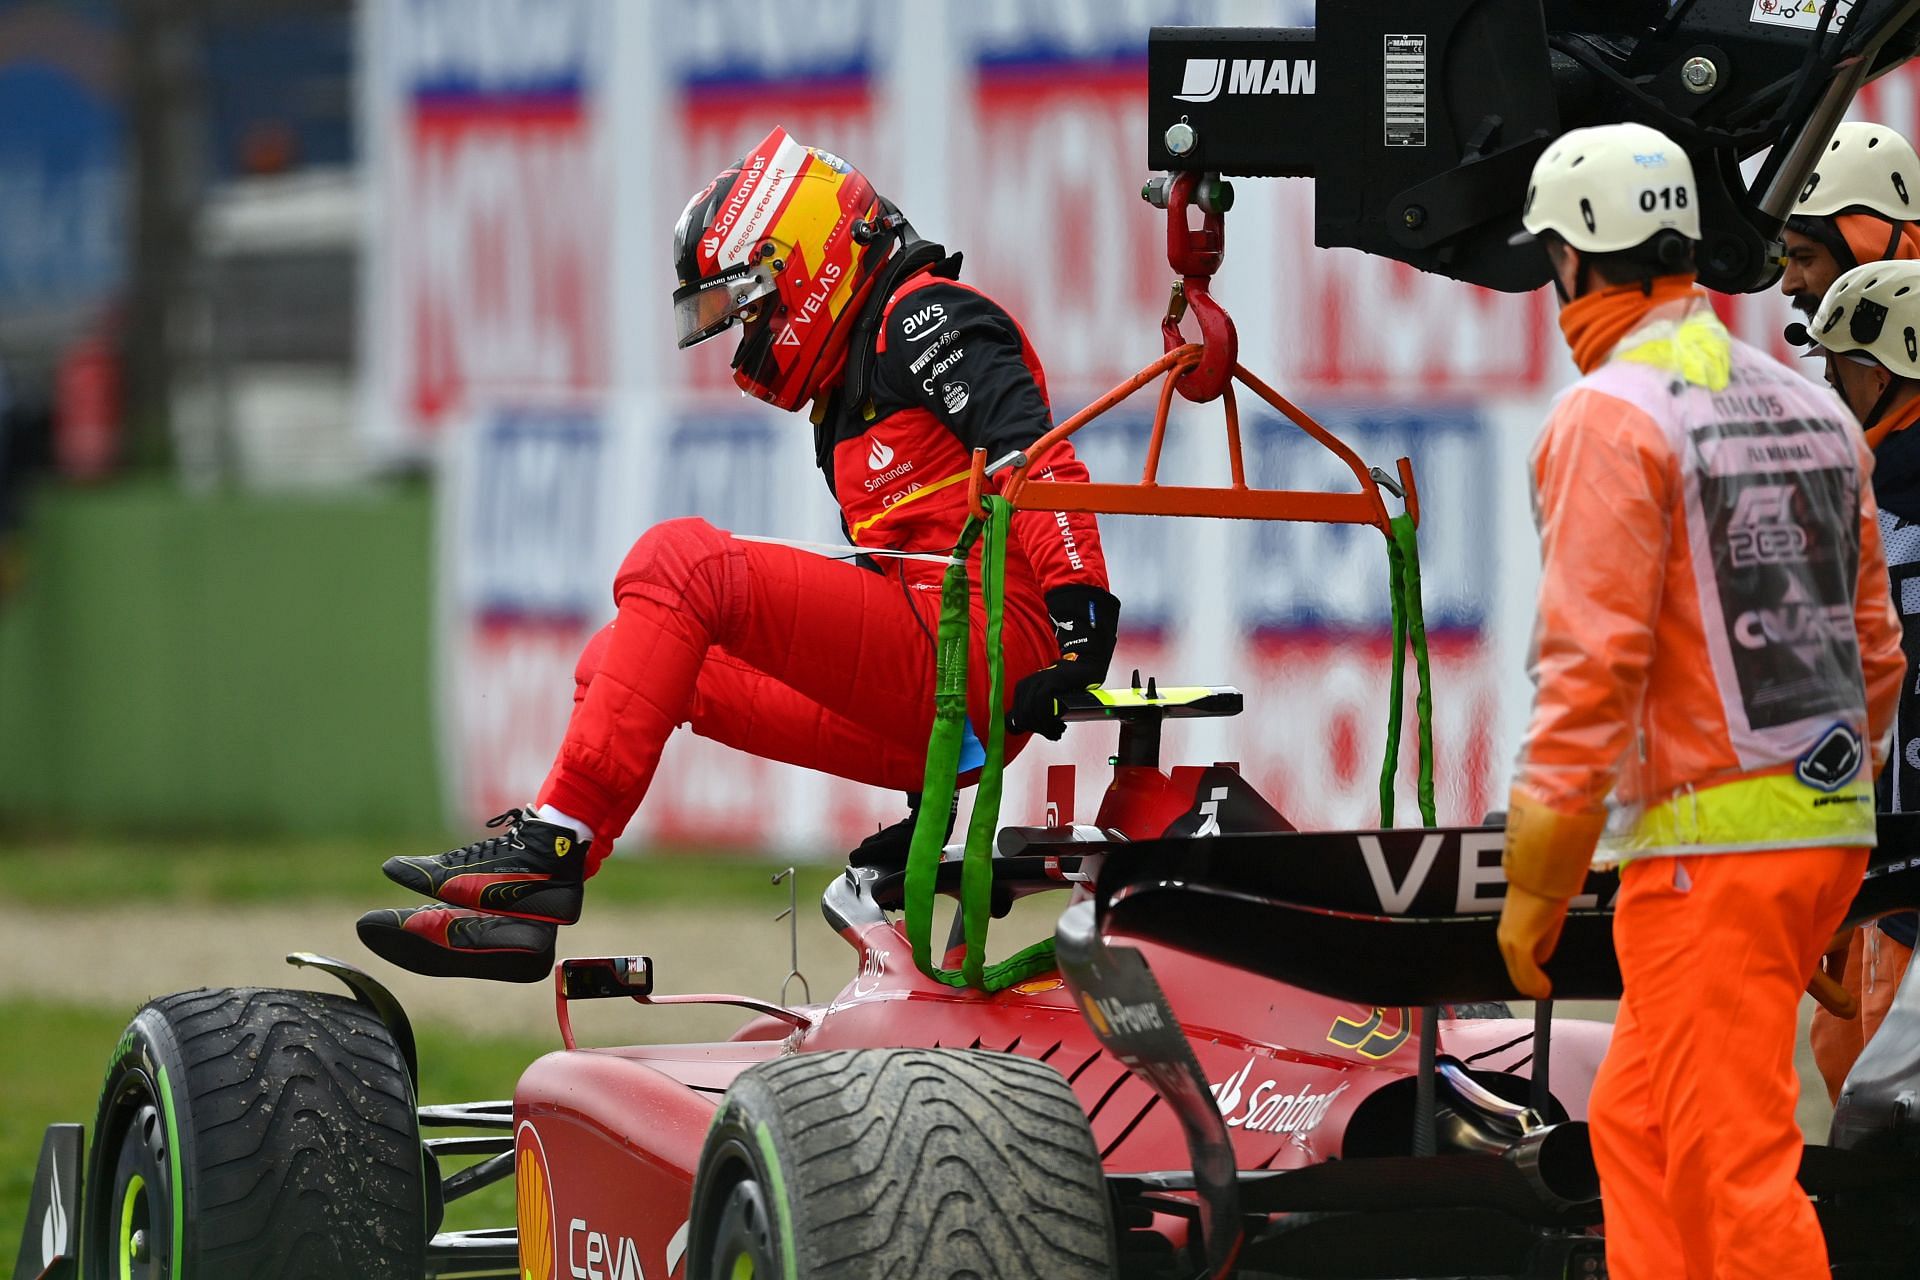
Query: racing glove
{"points": [[1086, 622], [1546, 862]]}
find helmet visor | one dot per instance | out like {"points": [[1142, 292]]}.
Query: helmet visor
{"points": [[707, 307]]}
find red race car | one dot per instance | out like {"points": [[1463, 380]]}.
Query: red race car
{"points": [[1252, 1060]]}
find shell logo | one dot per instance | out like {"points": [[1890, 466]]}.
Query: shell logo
{"points": [[533, 1194]]}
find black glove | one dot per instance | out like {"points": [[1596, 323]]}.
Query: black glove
{"points": [[1086, 621]]}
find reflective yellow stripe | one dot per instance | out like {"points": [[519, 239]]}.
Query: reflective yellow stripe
{"points": [[1776, 811], [935, 487], [1698, 349]]}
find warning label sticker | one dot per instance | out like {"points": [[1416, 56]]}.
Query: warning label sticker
{"points": [[1801, 13], [1406, 91]]}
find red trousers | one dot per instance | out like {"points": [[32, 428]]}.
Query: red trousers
{"points": [[782, 653], [1693, 1110]]}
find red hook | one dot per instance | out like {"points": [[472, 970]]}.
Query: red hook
{"points": [[1195, 253]]}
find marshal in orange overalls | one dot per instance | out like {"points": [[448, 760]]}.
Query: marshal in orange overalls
{"points": [[1716, 663]]}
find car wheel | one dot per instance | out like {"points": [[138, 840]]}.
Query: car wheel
{"points": [[900, 1162], [258, 1133]]}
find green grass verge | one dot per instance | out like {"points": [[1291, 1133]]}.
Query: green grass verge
{"points": [[89, 872], [51, 1057]]}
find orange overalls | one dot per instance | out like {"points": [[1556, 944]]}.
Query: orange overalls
{"points": [[1716, 661]]}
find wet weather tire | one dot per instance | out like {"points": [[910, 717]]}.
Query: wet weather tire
{"points": [[257, 1133], [901, 1162]]}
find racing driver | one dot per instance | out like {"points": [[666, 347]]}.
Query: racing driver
{"points": [[845, 313], [1715, 663]]}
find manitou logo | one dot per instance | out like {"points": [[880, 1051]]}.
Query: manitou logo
{"points": [[1206, 78], [592, 1255], [1267, 1110]]}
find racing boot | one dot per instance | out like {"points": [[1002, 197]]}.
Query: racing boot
{"points": [[442, 942], [887, 848], [531, 871]]}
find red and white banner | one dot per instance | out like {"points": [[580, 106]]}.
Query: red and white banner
{"points": [[493, 210]]}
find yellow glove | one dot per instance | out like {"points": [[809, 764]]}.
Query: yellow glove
{"points": [[1546, 862]]}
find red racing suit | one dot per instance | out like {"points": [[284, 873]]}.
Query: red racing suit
{"points": [[815, 661]]}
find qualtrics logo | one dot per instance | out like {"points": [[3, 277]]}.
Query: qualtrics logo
{"points": [[1207, 78]]}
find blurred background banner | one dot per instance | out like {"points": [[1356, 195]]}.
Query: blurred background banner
{"points": [[341, 332], [1009, 131]]}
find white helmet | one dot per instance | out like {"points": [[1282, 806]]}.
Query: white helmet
{"points": [[1875, 310], [1612, 187], [1866, 166]]}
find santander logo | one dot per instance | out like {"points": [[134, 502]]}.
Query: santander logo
{"points": [[878, 456], [1265, 1109]]}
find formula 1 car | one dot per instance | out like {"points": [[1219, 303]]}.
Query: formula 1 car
{"points": [[1254, 1059]]}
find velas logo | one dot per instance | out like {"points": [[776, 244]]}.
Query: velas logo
{"points": [[1265, 1109], [879, 455], [533, 1194], [1207, 78]]}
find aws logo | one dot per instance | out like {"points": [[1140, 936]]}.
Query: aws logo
{"points": [[534, 1196]]}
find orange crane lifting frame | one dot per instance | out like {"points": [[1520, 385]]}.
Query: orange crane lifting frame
{"points": [[1200, 371], [1204, 371], [1151, 498]]}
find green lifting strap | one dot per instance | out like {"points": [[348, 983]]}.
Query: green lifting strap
{"points": [[943, 768], [1409, 627]]}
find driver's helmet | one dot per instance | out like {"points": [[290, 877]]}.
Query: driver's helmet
{"points": [[1874, 311], [1865, 168], [782, 241]]}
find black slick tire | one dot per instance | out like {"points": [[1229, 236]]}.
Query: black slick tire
{"points": [[931, 1163], [259, 1133]]}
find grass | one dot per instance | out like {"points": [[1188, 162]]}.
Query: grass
{"points": [[51, 1057], [88, 872]]}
